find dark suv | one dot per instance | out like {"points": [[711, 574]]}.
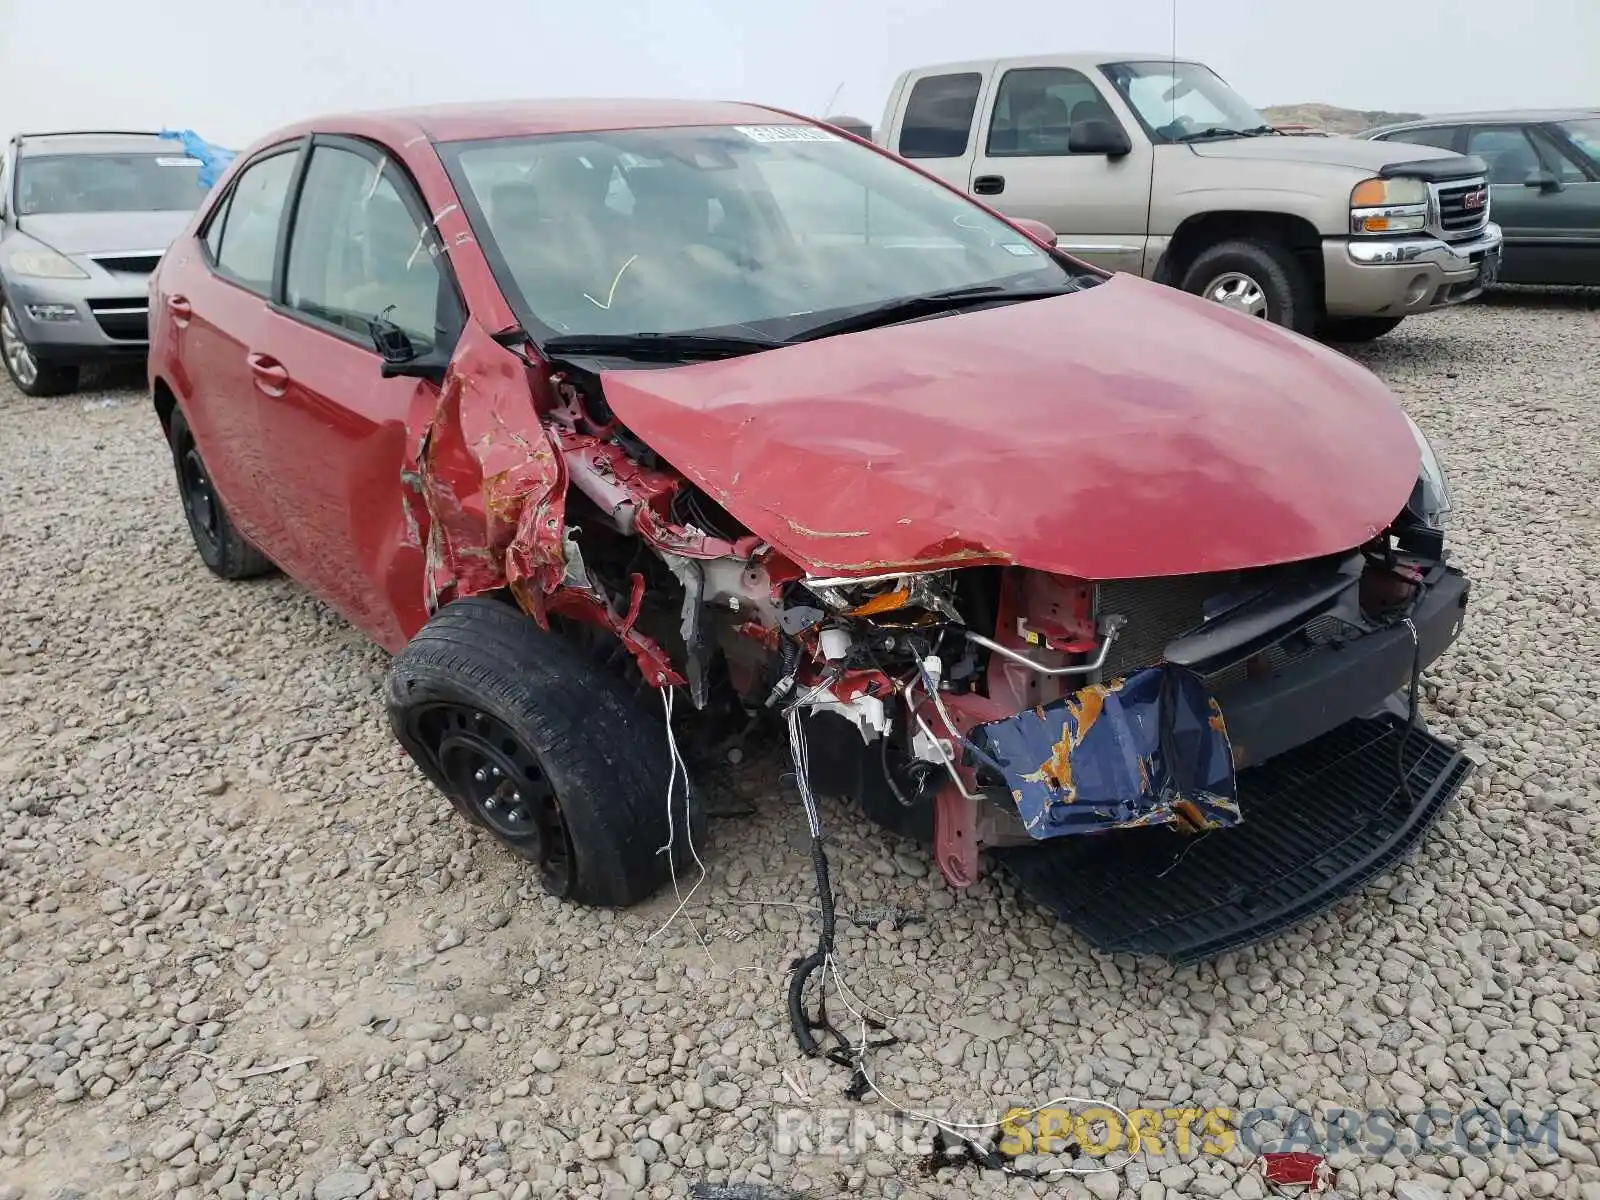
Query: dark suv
{"points": [[1544, 174]]}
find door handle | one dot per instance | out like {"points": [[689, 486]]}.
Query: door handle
{"points": [[271, 375], [180, 308], [989, 185]]}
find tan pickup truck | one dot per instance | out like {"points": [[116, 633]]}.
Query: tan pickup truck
{"points": [[1155, 166]]}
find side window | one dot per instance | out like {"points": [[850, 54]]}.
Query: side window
{"points": [[1036, 108], [357, 252], [247, 231], [1507, 150], [939, 114], [1441, 136]]}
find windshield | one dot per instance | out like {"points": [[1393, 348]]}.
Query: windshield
{"points": [[1183, 101], [1585, 135], [100, 183], [764, 230]]}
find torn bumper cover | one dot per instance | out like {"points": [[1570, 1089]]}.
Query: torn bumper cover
{"points": [[1148, 749]]}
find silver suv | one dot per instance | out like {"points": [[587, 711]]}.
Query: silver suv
{"points": [[84, 219]]}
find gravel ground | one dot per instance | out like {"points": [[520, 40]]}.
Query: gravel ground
{"points": [[247, 951]]}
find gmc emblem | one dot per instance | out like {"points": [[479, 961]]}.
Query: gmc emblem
{"points": [[1473, 201]]}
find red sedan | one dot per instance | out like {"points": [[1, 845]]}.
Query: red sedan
{"points": [[570, 405]]}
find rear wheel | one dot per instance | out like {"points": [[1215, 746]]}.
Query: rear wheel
{"points": [[1358, 329], [1255, 277], [550, 754], [32, 377], [221, 546]]}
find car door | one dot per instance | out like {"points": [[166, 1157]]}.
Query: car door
{"points": [[1543, 199], [217, 294], [333, 427], [1024, 166]]}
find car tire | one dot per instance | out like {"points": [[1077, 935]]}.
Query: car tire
{"points": [[533, 742], [32, 377], [221, 546], [1358, 329], [1259, 278]]}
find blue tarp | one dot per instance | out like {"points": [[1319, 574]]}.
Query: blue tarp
{"points": [[1148, 749], [214, 159]]}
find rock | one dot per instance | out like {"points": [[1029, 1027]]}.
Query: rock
{"points": [[984, 1026], [198, 1095], [342, 1185], [633, 1169], [444, 1171], [1103, 1185], [725, 1096], [546, 1061], [169, 1147]]}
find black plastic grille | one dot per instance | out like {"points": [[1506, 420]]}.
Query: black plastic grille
{"points": [[1319, 822], [125, 320], [128, 264]]}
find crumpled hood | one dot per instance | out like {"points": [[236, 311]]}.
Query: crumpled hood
{"points": [[1128, 430], [106, 233], [1356, 153]]}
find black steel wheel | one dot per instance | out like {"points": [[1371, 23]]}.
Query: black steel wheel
{"points": [[221, 546], [538, 745], [499, 783]]}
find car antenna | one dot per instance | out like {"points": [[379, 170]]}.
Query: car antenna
{"points": [[1173, 115]]}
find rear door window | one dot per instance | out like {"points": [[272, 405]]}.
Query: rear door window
{"points": [[1507, 150], [248, 241], [938, 120]]}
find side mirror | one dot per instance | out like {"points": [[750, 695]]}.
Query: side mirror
{"points": [[1545, 181], [400, 356], [1097, 135], [1035, 229]]}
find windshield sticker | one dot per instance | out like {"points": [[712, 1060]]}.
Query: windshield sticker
{"points": [[178, 162], [786, 133], [1019, 250]]}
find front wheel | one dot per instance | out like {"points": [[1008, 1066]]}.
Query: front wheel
{"points": [[1256, 278], [32, 377], [532, 742], [1358, 329]]}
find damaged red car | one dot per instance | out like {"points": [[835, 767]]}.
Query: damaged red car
{"points": [[576, 407]]}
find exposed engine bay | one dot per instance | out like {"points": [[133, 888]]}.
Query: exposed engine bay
{"points": [[978, 706]]}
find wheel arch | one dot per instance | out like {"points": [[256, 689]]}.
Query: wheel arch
{"points": [[1201, 230], [165, 401]]}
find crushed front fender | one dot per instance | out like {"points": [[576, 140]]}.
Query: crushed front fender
{"points": [[1148, 749], [485, 488]]}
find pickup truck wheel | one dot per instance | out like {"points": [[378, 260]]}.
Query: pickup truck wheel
{"points": [[1358, 329], [1257, 278], [221, 546], [550, 754]]}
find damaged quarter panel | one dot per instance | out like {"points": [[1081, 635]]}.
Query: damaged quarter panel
{"points": [[1125, 431]]}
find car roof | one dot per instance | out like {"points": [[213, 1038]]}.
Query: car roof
{"points": [[1078, 60], [1500, 117], [526, 118], [96, 142]]}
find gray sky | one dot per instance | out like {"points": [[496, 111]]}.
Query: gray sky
{"points": [[233, 77]]}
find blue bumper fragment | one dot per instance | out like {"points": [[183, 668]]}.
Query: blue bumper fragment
{"points": [[1148, 749]]}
